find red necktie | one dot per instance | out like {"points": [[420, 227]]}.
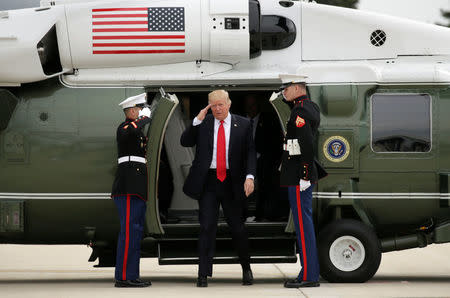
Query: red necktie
{"points": [[220, 158]]}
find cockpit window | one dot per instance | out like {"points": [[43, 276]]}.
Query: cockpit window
{"points": [[401, 123], [277, 32], [8, 103]]}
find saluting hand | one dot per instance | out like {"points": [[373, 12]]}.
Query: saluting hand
{"points": [[145, 112], [249, 186], [202, 114]]}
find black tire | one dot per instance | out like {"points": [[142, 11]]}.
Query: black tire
{"points": [[370, 242]]}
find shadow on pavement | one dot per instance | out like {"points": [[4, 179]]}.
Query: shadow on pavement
{"points": [[215, 280], [417, 278], [156, 279]]}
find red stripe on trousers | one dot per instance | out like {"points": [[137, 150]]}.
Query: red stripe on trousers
{"points": [[302, 233], [127, 241]]}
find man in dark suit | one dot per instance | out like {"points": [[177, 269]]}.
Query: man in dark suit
{"points": [[222, 173]]}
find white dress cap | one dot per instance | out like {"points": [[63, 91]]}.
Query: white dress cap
{"points": [[288, 79], [134, 101]]}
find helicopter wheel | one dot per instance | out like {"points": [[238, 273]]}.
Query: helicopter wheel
{"points": [[349, 251]]}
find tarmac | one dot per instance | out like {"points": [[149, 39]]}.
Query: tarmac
{"points": [[63, 271]]}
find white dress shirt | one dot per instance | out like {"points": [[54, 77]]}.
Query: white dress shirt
{"points": [[227, 129]]}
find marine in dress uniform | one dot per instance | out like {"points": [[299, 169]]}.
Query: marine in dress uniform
{"points": [[129, 190], [299, 172]]}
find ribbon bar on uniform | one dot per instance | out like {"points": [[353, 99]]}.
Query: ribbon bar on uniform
{"points": [[131, 158]]}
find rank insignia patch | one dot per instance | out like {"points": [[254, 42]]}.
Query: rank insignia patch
{"points": [[299, 121]]}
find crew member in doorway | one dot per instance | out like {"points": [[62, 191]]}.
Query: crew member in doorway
{"points": [[129, 190], [299, 171], [222, 173], [268, 138]]}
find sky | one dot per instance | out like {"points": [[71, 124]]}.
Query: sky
{"points": [[421, 10]]}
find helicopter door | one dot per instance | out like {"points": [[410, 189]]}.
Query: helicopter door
{"points": [[284, 112], [398, 165], [161, 108]]}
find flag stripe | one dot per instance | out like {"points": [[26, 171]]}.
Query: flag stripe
{"points": [[160, 30], [120, 9], [121, 23], [144, 44], [140, 37], [139, 52], [120, 30], [119, 16]]}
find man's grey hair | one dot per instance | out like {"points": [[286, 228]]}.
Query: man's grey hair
{"points": [[219, 94]]}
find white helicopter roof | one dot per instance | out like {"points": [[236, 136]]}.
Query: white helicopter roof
{"points": [[332, 45]]}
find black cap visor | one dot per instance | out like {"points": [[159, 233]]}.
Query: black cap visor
{"points": [[284, 86]]}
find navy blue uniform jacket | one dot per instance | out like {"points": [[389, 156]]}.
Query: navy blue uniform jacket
{"points": [[241, 154], [131, 177], [302, 125]]}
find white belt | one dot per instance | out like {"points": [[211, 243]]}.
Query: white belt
{"points": [[131, 158], [293, 147]]}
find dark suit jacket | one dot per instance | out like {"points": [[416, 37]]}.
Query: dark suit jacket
{"points": [[241, 154]]}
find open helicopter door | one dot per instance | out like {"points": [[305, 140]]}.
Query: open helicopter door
{"points": [[284, 112], [162, 108]]}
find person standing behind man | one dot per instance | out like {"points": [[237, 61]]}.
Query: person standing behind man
{"points": [[222, 173], [129, 190], [267, 136], [299, 172]]}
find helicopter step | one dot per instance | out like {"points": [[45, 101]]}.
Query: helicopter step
{"points": [[268, 244]]}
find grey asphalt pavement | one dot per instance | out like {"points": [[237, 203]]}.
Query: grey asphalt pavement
{"points": [[63, 271]]}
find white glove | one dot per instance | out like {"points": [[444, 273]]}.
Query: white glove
{"points": [[304, 184], [274, 96], [145, 112]]}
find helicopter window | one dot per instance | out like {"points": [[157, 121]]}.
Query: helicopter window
{"points": [[277, 32], [401, 123], [8, 103]]}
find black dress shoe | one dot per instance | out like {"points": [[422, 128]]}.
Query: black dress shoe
{"points": [[295, 283], [136, 283], [247, 277], [149, 283], [202, 282]]}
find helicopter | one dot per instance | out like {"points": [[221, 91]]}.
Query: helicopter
{"points": [[382, 84]]}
